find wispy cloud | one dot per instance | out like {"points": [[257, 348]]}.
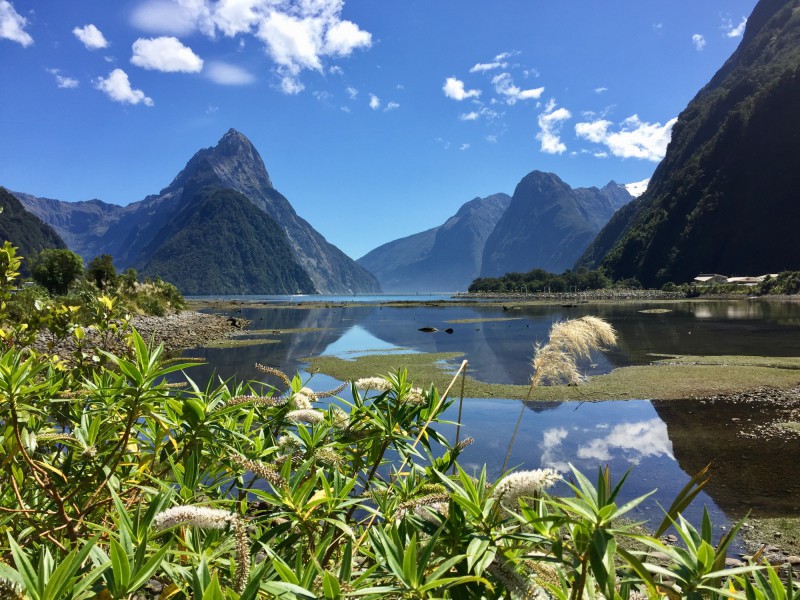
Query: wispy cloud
{"points": [[504, 85], [391, 106], [165, 54], [633, 138], [352, 92], [91, 37], [470, 116], [454, 88], [12, 25], [734, 32], [699, 41], [464, 147], [224, 73], [117, 86], [550, 122], [600, 90], [63, 82]]}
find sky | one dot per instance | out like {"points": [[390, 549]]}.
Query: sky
{"points": [[375, 118]]}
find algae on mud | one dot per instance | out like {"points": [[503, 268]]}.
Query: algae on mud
{"points": [[675, 378]]}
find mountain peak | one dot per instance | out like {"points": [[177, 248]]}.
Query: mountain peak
{"points": [[234, 162]]}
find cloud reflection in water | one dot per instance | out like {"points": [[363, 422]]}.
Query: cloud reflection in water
{"points": [[628, 441]]}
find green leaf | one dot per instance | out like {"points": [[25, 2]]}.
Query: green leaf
{"points": [[28, 574], [120, 565]]}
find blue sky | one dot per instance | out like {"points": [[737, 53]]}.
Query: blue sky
{"points": [[375, 118]]}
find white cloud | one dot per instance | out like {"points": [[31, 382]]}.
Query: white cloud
{"points": [[483, 67], [66, 83], [391, 106], [492, 138], [227, 74], [165, 54], [504, 85], [12, 25], [549, 127], [91, 37], [600, 90], [464, 147], [297, 34], [352, 93], [291, 85], [634, 138], [637, 440], [177, 17], [595, 131], [601, 154], [117, 87], [374, 102], [699, 41], [345, 109], [335, 70], [734, 32], [552, 452], [345, 36], [476, 114], [454, 88]]}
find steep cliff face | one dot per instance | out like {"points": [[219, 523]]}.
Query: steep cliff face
{"points": [[548, 224], [725, 197], [26, 231], [134, 234], [444, 258]]}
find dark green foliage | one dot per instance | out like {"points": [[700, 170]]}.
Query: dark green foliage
{"points": [[539, 280], [101, 271], [56, 269], [724, 200], [784, 283], [26, 231], [220, 241]]}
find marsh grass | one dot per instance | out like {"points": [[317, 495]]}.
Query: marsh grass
{"points": [[669, 379]]}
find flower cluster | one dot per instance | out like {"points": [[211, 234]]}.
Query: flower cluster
{"points": [[524, 484], [194, 516], [310, 416], [378, 384]]}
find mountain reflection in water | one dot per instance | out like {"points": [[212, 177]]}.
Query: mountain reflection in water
{"points": [[664, 442]]}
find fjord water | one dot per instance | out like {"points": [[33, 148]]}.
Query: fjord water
{"points": [[665, 442]]}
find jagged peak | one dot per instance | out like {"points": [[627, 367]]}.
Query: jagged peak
{"points": [[233, 154]]}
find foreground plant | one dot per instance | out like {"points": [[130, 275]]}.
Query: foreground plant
{"points": [[116, 483]]}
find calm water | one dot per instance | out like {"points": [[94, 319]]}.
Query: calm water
{"points": [[664, 442]]}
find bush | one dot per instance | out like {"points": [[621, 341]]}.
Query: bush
{"points": [[56, 269]]}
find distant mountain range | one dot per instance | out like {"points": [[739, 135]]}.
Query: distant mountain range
{"points": [[548, 224], [725, 197], [444, 258], [219, 227]]}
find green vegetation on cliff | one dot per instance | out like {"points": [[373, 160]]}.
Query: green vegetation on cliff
{"points": [[724, 199]]}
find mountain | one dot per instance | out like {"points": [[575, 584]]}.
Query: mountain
{"points": [[221, 241], [138, 235], [26, 231], [725, 197], [445, 258], [548, 224]]}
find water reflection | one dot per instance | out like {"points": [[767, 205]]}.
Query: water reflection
{"points": [[664, 441]]}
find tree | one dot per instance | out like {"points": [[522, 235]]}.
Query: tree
{"points": [[56, 269], [101, 271]]}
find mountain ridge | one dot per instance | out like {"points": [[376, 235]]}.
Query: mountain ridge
{"points": [[131, 233], [724, 199]]}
